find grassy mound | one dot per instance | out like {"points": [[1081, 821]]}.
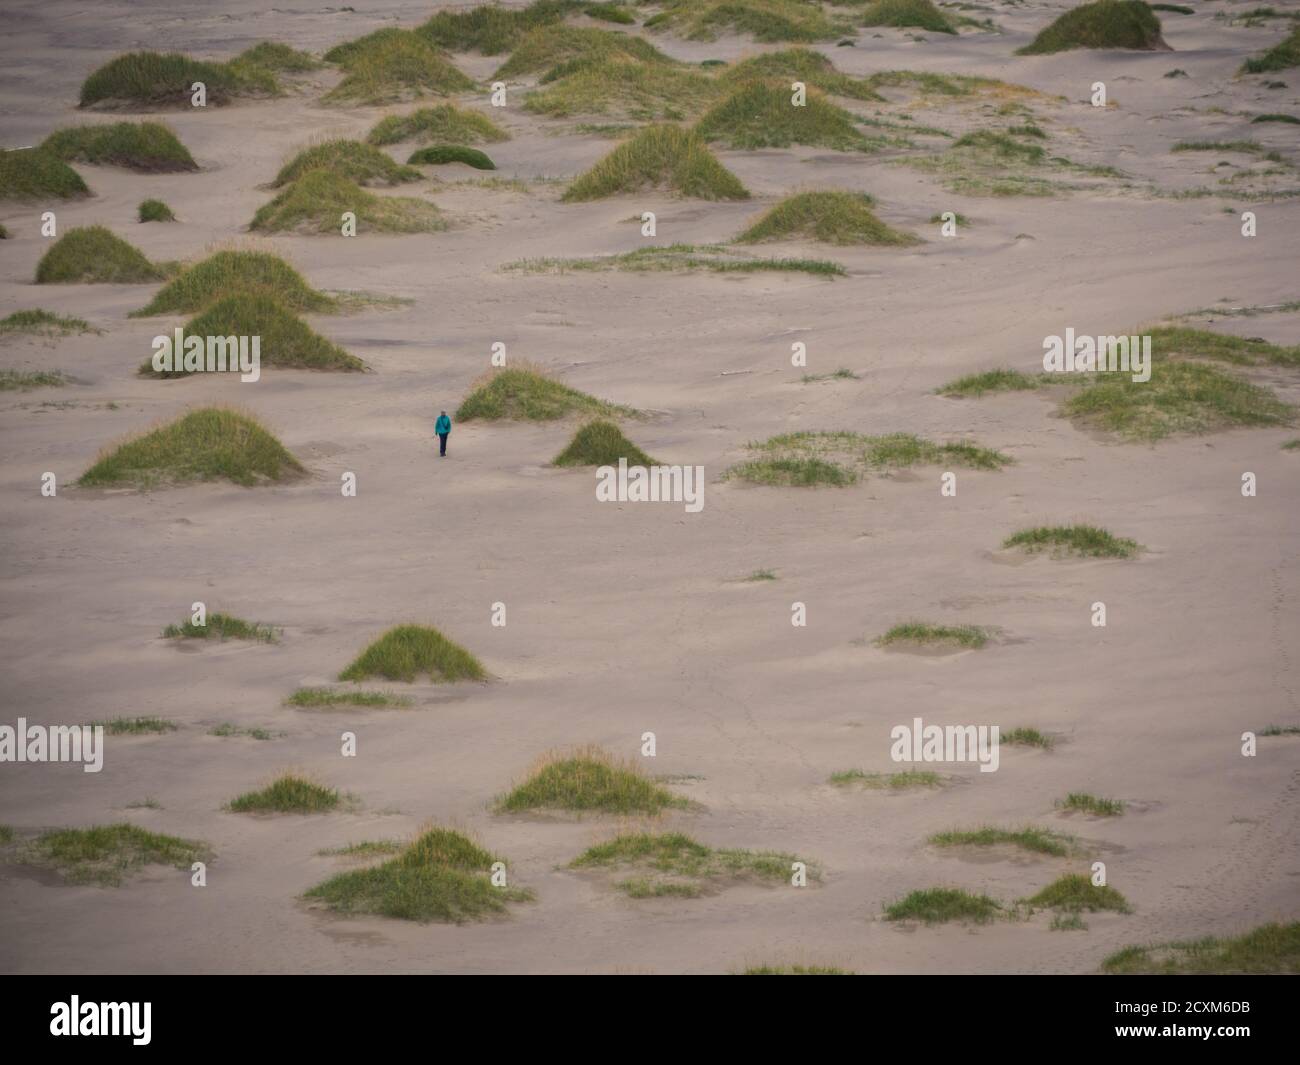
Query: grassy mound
{"points": [[915, 14], [316, 202], [716, 258], [226, 273], [1103, 24], [313, 697], [94, 255], [390, 65], [673, 864], [490, 29], [969, 636], [1075, 892], [205, 445], [32, 173], [1034, 840], [1270, 948], [770, 21], [107, 854], [939, 905], [276, 57], [223, 627], [362, 163], [439, 154], [43, 323], [443, 124], [1282, 56], [601, 443], [149, 147], [589, 780], [760, 115], [440, 876], [991, 381], [800, 64], [407, 651], [623, 87], [899, 781], [667, 156], [1088, 541], [155, 79], [529, 394], [155, 211], [829, 217], [287, 341], [289, 794], [544, 47], [1091, 804]]}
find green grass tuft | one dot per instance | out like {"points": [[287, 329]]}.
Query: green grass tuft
{"points": [[940, 905], [801, 64], [1274, 117], [155, 211], [407, 651], [601, 443], [1102, 24], [588, 780], [1086, 540], [223, 627], [316, 202], [897, 781], [991, 381], [1026, 737], [1282, 56], [1079, 800], [439, 154], [94, 255], [392, 64], [917, 14], [149, 147], [26, 380], [1029, 838], [354, 160], [491, 29], [624, 87], [274, 57], [313, 697], [135, 726], [288, 794], [227, 273], [761, 115], [970, 636], [716, 258], [795, 970], [35, 174], [107, 854], [833, 217], [1270, 948], [1075, 892], [546, 46], [443, 124], [522, 393], [769, 21], [43, 323], [151, 79], [659, 156]]}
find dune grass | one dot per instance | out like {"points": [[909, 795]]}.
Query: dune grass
{"points": [[601, 443], [588, 780], [491, 29], [800, 64], [108, 854], [795, 970], [761, 115], [1026, 737], [224, 627], [1088, 541], [317, 201], [287, 794], [1275, 117], [831, 217], [26, 380], [1280, 730], [769, 21], [1031, 839], [286, 340], [941, 905], [155, 211], [38, 322], [792, 472], [275, 57], [327, 697], [1175, 341], [969, 636], [907, 14], [227, 730], [992, 163], [440, 154], [526, 393], [979, 384], [94, 255], [623, 87], [1285, 55], [135, 726], [393, 64], [897, 781], [1129, 24], [153, 79], [212, 443], [1075, 892], [659, 156], [1091, 804], [227, 273], [147, 147], [359, 162], [443, 124], [546, 46], [673, 864], [714, 258], [1269, 948], [406, 652], [441, 875], [35, 174]]}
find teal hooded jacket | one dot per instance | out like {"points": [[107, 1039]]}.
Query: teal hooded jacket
{"points": [[443, 424]]}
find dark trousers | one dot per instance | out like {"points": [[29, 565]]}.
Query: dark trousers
{"points": [[442, 443]]}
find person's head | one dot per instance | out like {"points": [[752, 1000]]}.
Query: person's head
{"points": [[444, 414]]}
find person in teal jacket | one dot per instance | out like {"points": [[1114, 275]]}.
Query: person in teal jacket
{"points": [[443, 428]]}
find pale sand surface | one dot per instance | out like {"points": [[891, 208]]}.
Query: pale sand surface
{"points": [[625, 619]]}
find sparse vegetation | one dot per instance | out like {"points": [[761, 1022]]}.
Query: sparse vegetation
{"points": [[588, 780], [94, 255], [546, 46], [392, 64], [1274, 117], [155, 211], [1075, 892], [992, 381], [227, 273], [1091, 804], [26, 380], [918, 14], [715, 258], [920, 632], [659, 156], [528, 393], [317, 200], [37, 322], [1026, 737], [108, 854], [897, 781], [1282, 56], [1101, 24], [795, 970], [327, 697], [223, 627], [135, 726], [492, 29], [440, 154], [1270, 948], [601, 443], [443, 124], [288, 794], [227, 730], [1029, 838], [354, 160], [759, 115], [800, 64], [1086, 540], [274, 57], [769, 21], [624, 87], [406, 652], [832, 217], [149, 147], [940, 905], [35, 174], [152, 79]]}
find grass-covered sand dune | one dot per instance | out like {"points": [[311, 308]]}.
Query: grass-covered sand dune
{"points": [[318, 201], [662, 156], [1129, 24], [35, 174], [407, 652], [829, 217], [357, 161], [442, 124], [95, 255], [149, 147], [231, 272], [153, 79], [529, 393], [390, 65]]}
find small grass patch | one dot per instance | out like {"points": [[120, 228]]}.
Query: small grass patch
{"points": [[148, 147], [390, 65], [316, 202], [406, 652], [354, 160], [1282, 56], [212, 443], [920, 632], [226, 730], [1091, 804], [152, 79], [440, 154], [37, 322], [1270, 948], [226, 273], [941, 905], [832, 217], [1103, 24], [288, 794], [443, 124], [842, 374], [1274, 117], [35, 174], [108, 854], [1026, 737], [800, 64], [274, 57], [673, 864], [154, 211], [524, 393], [327, 697], [1088, 541], [1281, 730], [761, 575], [544, 47], [898, 781], [761, 115], [440, 876], [915, 14], [714, 258], [94, 255], [795, 970], [659, 156], [588, 780], [623, 87], [1029, 838], [979, 384], [768, 21], [135, 726], [223, 627], [601, 443], [27, 380], [371, 848], [792, 472], [1075, 892]]}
